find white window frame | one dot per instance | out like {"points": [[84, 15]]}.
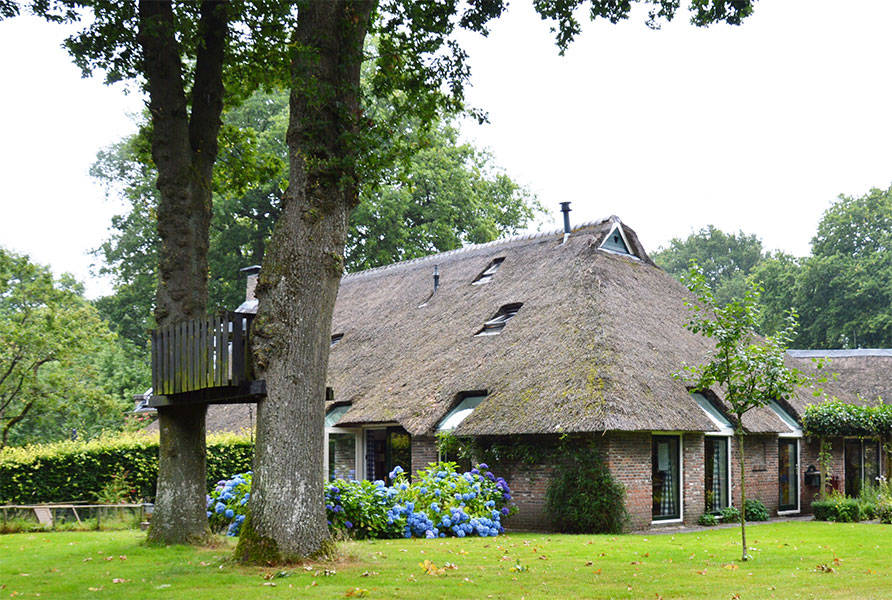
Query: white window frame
{"points": [[359, 453], [797, 437], [728, 439], [680, 436]]}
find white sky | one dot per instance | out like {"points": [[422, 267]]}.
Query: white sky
{"points": [[755, 127]]}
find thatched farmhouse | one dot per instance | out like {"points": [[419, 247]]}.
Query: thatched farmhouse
{"points": [[528, 339]]}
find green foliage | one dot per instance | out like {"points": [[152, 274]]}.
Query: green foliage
{"points": [[837, 507], [750, 370], [441, 195], [883, 510], [74, 471], [838, 419], [707, 520], [725, 259], [756, 510], [61, 369], [730, 514], [117, 490], [584, 497]]}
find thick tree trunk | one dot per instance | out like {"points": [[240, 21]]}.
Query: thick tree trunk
{"points": [[184, 148], [299, 282]]}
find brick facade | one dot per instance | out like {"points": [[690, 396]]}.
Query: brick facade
{"points": [[628, 456], [424, 451]]}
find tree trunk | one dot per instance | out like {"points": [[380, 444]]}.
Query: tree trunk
{"points": [[184, 148], [299, 282]]}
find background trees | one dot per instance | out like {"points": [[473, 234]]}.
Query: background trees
{"points": [[62, 372], [440, 195], [842, 292]]}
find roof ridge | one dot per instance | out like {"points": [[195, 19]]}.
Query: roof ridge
{"points": [[470, 247], [838, 352]]}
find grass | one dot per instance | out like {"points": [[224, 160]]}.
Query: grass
{"points": [[791, 560]]}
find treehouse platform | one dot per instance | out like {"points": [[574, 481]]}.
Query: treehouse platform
{"points": [[204, 361]]}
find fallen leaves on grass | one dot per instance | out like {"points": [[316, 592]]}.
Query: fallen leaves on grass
{"points": [[356, 593], [730, 567], [431, 569], [824, 569]]}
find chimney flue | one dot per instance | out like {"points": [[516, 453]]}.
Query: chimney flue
{"points": [[436, 277], [565, 208]]}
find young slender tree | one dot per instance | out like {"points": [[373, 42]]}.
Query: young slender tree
{"points": [[748, 369]]}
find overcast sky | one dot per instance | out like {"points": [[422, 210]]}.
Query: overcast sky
{"points": [[755, 128]]}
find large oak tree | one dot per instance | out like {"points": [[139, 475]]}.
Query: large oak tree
{"points": [[328, 149], [182, 55]]}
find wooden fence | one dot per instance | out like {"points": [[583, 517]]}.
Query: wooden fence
{"points": [[201, 354]]}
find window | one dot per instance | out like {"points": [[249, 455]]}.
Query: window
{"points": [[615, 241], [334, 415], [716, 474], [386, 449], [461, 411], [495, 325], [335, 339], [342, 459], [788, 474], [666, 477], [862, 465], [487, 274]]}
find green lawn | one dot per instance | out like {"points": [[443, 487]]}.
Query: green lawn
{"points": [[791, 560]]}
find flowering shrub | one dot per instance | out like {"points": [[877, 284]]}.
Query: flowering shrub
{"points": [[439, 503], [227, 504]]}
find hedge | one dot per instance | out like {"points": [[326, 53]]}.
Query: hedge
{"points": [[75, 471], [836, 418]]}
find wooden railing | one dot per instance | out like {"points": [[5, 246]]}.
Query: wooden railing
{"points": [[202, 353]]}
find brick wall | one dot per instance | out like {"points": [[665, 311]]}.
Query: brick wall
{"points": [[761, 470], [694, 473], [424, 451], [809, 449], [628, 458]]}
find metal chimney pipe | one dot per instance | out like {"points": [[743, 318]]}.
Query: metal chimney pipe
{"points": [[565, 208], [436, 278]]}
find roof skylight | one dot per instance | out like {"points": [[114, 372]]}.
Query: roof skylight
{"points": [[616, 241], [487, 274], [496, 324], [335, 414], [714, 414], [461, 412], [784, 416]]}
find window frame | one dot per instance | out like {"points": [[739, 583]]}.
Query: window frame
{"points": [[679, 437]]}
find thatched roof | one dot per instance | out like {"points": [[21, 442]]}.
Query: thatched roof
{"points": [[593, 347], [859, 376]]}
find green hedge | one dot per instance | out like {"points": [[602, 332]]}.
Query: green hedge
{"points": [[839, 509], [76, 471], [836, 418]]}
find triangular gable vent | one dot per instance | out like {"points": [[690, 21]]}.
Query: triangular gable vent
{"points": [[616, 241]]}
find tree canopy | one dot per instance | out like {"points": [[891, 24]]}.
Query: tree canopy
{"points": [[62, 372], [441, 195], [842, 291], [725, 259]]}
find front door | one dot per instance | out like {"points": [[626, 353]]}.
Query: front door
{"points": [[788, 474]]}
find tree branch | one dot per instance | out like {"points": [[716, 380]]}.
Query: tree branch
{"points": [[207, 93]]}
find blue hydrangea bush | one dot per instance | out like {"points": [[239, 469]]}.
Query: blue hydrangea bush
{"points": [[227, 504], [440, 502]]}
